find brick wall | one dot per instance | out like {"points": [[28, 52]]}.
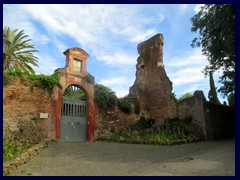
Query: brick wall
{"points": [[22, 105]]}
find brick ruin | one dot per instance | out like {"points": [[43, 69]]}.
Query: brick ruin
{"points": [[152, 86], [153, 89]]}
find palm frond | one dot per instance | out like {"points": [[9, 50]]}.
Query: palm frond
{"points": [[19, 54]]}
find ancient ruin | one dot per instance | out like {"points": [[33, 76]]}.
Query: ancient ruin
{"points": [[46, 114], [152, 86]]}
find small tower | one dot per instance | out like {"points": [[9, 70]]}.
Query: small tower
{"points": [[76, 61]]}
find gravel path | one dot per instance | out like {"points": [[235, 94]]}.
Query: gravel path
{"points": [[107, 159]]}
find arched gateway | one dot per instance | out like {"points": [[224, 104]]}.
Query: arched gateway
{"points": [[73, 105]]}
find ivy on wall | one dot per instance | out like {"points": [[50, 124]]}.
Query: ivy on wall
{"points": [[39, 80]]}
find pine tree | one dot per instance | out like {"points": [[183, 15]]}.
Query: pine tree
{"points": [[212, 92]]}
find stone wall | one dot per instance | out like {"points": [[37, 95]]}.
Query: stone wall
{"points": [[212, 121], [112, 121], [194, 107], [22, 105]]}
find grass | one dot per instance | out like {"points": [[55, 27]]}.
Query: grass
{"points": [[11, 150], [160, 138]]}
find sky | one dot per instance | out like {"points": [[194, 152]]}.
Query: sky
{"points": [[110, 35]]}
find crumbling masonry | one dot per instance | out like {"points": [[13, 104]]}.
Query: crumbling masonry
{"points": [[152, 86]]}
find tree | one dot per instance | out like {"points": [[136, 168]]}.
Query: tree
{"points": [[105, 97], [185, 96], [212, 92], [231, 100], [18, 53], [216, 26]]}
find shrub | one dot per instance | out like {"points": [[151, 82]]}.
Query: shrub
{"points": [[105, 97], [185, 96], [177, 126], [143, 123], [39, 80], [125, 105], [136, 106]]}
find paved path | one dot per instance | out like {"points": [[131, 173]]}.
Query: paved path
{"points": [[107, 159]]}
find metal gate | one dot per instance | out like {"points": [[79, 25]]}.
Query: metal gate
{"points": [[73, 120]]}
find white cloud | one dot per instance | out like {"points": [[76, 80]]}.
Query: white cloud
{"points": [[197, 8], [188, 58], [143, 36], [118, 85], [186, 76], [118, 59], [47, 64], [114, 80], [186, 68], [183, 7], [196, 86], [59, 45]]}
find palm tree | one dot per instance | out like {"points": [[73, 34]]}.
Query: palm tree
{"points": [[18, 52]]}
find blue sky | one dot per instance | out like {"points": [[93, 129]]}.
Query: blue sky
{"points": [[110, 34]]}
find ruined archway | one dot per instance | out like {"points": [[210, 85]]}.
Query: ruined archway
{"points": [[74, 74]]}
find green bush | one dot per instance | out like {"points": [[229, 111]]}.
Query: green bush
{"points": [[143, 123], [39, 80], [125, 105], [105, 97], [185, 96], [136, 106], [177, 126]]}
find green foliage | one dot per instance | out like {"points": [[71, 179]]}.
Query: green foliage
{"points": [[174, 96], [112, 129], [216, 26], [74, 92], [125, 105], [143, 123], [185, 96], [213, 91], [105, 97], [47, 82], [43, 81], [177, 126], [134, 103], [173, 130], [231, 100], [10, 149], [19, 52], [136, 106], [162, 138]]}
